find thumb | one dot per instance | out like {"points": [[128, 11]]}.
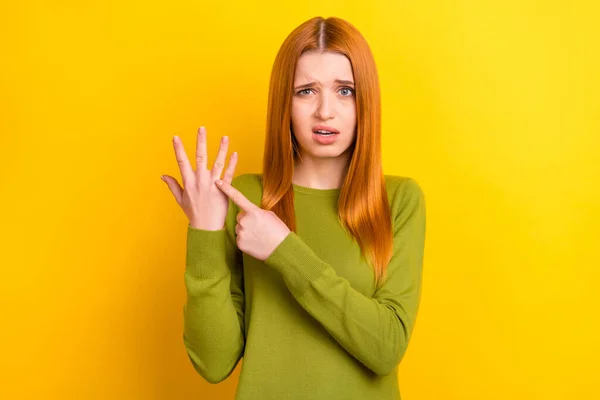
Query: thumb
{"points": [[173, 187]]}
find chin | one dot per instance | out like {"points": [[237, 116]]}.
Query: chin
{"points": [[329, 152]]}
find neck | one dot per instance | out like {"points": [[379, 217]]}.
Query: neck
{"points": [[321, 173]]}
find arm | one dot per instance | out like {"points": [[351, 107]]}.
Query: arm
{"points": [[214, 311], [375, 330]]}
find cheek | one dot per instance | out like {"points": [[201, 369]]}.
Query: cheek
{"points": [[300, 115], [300, 110], [350, 117], [350, 124]]}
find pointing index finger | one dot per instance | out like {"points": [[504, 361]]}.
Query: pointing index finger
{"points": [[236, 196]]}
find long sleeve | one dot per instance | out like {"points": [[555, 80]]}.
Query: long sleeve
{"points": [[214, 310], [375, 330]]}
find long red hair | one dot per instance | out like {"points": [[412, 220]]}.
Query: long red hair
{"points": [[363, 206]]}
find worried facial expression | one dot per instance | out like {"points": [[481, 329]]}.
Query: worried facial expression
{"points": [[324, 98]]}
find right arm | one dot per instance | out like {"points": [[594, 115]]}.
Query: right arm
{"points": [[214, 311]]}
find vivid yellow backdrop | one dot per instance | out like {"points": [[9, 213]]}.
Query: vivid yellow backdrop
{"points": [[492, 106]]}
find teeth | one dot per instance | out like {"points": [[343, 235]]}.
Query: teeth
{"points": [[320, 131]]}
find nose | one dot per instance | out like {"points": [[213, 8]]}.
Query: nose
{"points": [[325, 107]]}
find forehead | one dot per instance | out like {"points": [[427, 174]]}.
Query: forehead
{"points": [[324, 67]]}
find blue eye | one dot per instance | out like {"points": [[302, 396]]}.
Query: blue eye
{"points": [[302, 92], [348, 88]]}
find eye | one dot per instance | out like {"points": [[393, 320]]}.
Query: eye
{"points": [[303, 91], [348, 88]]}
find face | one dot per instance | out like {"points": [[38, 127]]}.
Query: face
{"points": [[319, 99]]}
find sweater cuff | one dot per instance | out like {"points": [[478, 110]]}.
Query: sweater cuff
{"points": [[205, 252], [297, 263]]}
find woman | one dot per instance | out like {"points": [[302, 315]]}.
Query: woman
{"points": [[311, 271]]}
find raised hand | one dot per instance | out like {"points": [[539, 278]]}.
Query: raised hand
{"points": [[201, 200]]}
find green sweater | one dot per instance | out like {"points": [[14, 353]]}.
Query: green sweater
{"points": [[307, 320]]}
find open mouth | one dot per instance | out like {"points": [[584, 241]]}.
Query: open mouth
{"points": [[325, 130], [323, 133], [325, 137]]}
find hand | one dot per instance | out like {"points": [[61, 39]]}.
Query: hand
{"points": [[204, 204], [259, 231]]}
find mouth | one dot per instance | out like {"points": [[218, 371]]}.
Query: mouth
{"points": [[323, 130]]}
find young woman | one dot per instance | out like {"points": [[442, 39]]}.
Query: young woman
{"points": [[310, 271]]}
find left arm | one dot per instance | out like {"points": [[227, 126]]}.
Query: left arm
{"points": [[375, 330]]}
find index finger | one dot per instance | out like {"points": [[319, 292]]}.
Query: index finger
{"points": [[236, 196], [182, 161]]}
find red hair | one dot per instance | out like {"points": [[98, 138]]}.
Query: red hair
{"points": [[363, 206]]}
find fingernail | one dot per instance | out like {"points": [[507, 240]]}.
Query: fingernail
{"points": [[225, 138], [163, 178], [175, 137], [220, 182]]}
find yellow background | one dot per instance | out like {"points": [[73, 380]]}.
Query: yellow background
{"points": [[492, 106]]}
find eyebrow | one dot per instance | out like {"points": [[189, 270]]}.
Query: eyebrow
{"points": [[336, 81]]}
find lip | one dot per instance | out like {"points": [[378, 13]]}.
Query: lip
{"points": [[325, 140], [325, 128]]}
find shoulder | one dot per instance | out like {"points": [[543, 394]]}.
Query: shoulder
{"points": [[250, 185], [402, 191], [397, 185], [405, 195], [247, 180]]}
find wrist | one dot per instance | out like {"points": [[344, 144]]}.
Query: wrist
{"points": [[205, 227]]}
